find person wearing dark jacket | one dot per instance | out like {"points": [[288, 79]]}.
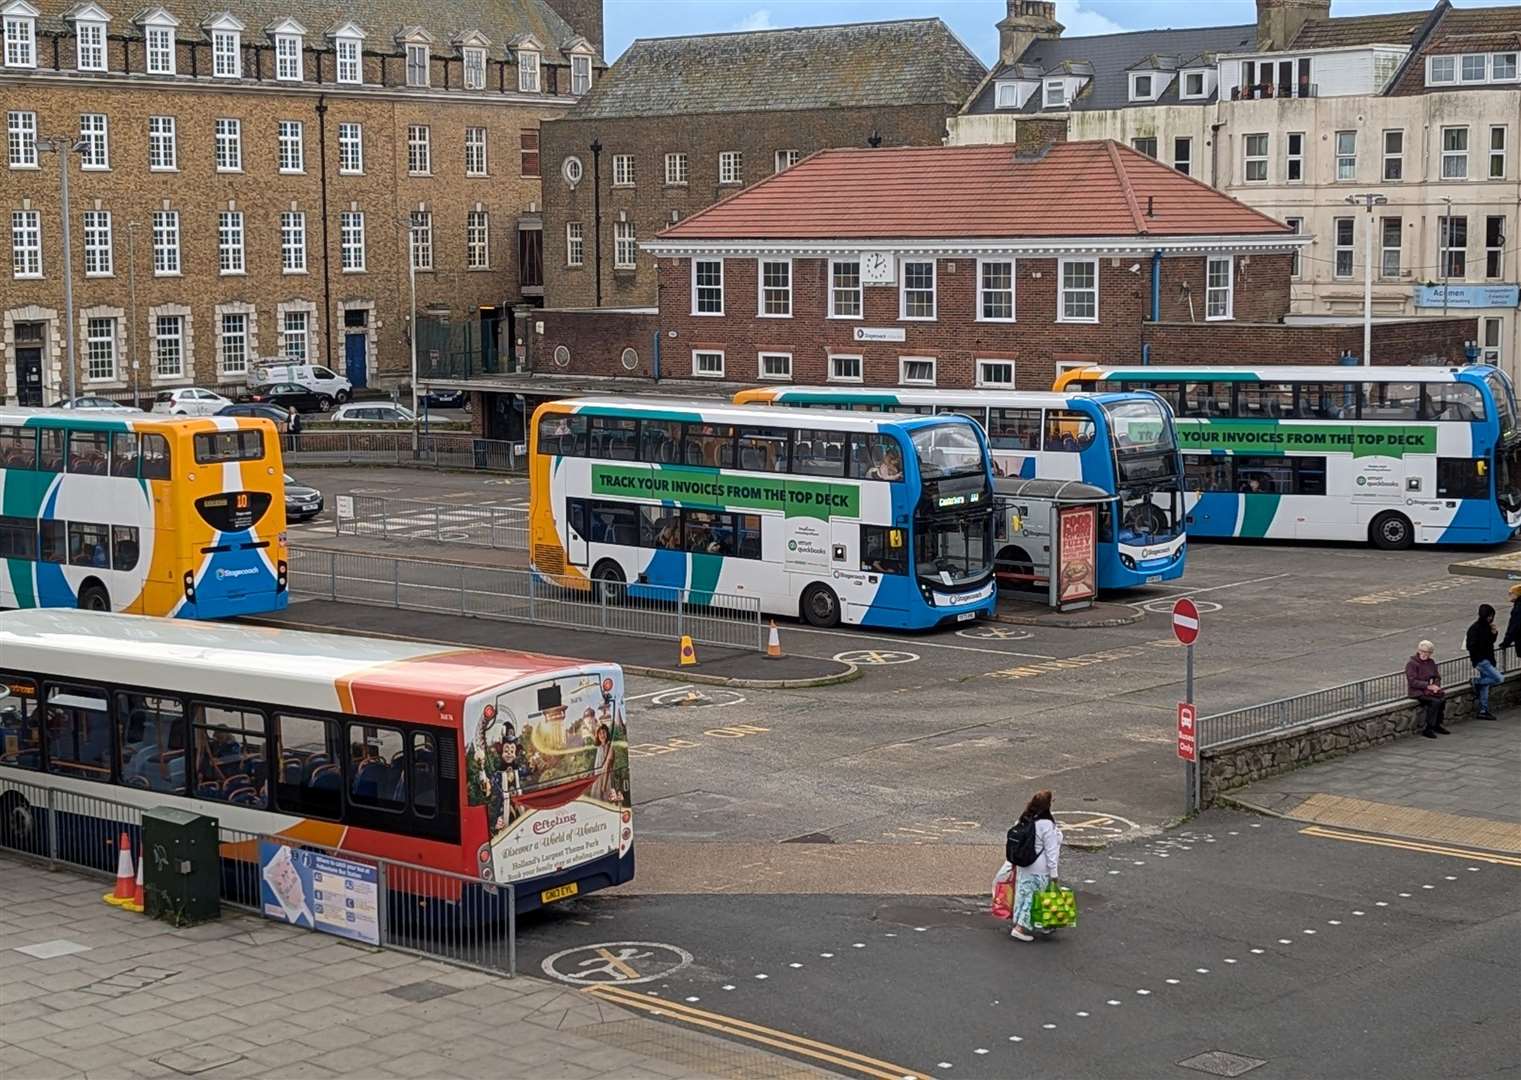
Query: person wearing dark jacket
{"points": [[1512, 638], [1480, 643], [1424, 680]]}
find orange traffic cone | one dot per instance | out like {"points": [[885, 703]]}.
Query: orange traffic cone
{"points": [[774, 645], [136, 903], [688, 653], [125, 879]]}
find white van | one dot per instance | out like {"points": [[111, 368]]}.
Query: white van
{"points": [[314, 377]]}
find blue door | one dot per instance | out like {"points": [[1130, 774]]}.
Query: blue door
{"points": [[354, 360]]}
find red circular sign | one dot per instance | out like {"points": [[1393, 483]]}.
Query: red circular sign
{"points": [[1185, 621]]}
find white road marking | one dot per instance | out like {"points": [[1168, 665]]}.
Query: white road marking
{"points": [[918, 643]]}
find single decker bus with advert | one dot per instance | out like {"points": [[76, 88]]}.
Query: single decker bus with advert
{"points": [[1121, 443], [872, 520], [147, 514], [1390, 455], [501, 767]]}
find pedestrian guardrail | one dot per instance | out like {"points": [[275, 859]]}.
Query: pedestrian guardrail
{"points": [[400, 447], [1255, 721], [407, 519], [434, 913], [650, 611]]}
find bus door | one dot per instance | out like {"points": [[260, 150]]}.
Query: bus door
{"points": [[855, 588], [576, 532]]}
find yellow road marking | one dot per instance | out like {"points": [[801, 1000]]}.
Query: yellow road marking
{"points": [[1413, 845], [742, 1029], [617, 963], [1104, 820]]}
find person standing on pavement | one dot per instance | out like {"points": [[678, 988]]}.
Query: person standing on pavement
{"points": [[1028, 880], [1425, 682], [1480, 643], [1512, 638]]}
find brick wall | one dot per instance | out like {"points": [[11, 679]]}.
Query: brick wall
{"points": [[595, 341], [650, 202], [1416, 341]]}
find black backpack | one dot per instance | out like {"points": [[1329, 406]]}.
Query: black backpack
{"points": [[1019, 844]]}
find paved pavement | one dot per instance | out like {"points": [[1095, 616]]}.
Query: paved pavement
{"points": [[105, 993], [1462, 788]]}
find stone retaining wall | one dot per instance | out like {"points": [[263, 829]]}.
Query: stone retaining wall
{"points": [[1230, 767]]}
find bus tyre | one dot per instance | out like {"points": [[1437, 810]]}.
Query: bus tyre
{"points": [[16, 820], [93, 597], [607, 577], [821, 607], [1392, 531]]}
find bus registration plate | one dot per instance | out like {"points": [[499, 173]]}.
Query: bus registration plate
{"points": [[966, 616], [549, 896]]}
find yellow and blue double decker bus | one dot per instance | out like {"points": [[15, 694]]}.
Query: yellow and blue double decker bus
{"points": [[173, 516], [882, 521]]}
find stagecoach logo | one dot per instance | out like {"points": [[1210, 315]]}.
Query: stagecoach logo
{"points": [[1362, 481], [222, 575]]}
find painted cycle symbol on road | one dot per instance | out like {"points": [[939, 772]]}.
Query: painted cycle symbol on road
{"points": [[619, 962], [875, 656], [995, 633], [1164, 607], [691, 697], [1093, 823]]}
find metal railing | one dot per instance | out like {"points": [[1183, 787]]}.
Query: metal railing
{"points": [[435, 913], [1255, 721], [376, 447], [405, 519], [650, 611]]}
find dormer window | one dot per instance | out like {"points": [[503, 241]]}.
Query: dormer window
{"points": [[580, 74], [1007, 96], [1055, 93], [158, 41], [288, 58], [1193, 84], [1140, 87], [348, 43], [528, 71], [20, 35], [226, 54], [90, 38], [417, 65], [475, 68]]}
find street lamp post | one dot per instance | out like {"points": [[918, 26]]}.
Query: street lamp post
{"points": [[63, 146], [1369, 199], [596, 149], [1444, 241]]}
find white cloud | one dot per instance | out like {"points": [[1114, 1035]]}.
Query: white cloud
{"points": [[760, 19], [1080, 22]]}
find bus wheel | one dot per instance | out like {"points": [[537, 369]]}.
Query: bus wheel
{"points": [[607, 581], [94, 598], [821, 607], [1391, 531]]}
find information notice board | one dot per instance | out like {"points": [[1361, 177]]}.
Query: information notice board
{"points": [[319, 892]]}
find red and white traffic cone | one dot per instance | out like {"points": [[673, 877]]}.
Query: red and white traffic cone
{"points": [[136, 903], [125, 878]]}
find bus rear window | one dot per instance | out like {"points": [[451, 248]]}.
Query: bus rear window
{"points": [[217, 447]]}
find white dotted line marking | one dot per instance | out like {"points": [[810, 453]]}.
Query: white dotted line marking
{"points": [[1380, 903], [1450, 877], [1082, 1014], [1333, 922], [920, 929], [1172, 982], [1284, 941], [859, 945], [1404, 896], [694, 999], [763, 976], [827, 955], [794, 965], [1143, 993], [1016, 1038], [946, 1065], [1309, 931], [1359, 913], [728, 986], [1202, 971], [1049, 1027], [1472, 869], [1230, 960], [1258, 952], [1112, 1001], [979, 1050], [1428, 886]]}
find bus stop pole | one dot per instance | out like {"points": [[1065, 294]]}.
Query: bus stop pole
{"points": [[1190, 768]]}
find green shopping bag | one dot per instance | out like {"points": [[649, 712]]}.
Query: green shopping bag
{"points": [[1053, 907]]}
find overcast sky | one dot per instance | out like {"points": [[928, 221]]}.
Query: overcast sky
{"points": [[972, 20]]}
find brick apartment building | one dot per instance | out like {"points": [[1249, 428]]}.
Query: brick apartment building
{"points": [[680, 123], [247, 179]]}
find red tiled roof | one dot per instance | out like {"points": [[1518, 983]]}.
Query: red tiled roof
{"points": [[974, 192]]}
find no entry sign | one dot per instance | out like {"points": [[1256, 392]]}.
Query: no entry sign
{"points": [[1185, 621], [1187, 748]]}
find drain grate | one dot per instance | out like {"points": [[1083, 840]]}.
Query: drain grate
{"points": [[426, 990], [1221, 1063]]}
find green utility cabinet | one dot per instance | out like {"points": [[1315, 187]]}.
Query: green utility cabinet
{"points": [[182, 875]]}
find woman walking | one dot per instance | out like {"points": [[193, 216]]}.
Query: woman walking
{"points": [[1028, 880]]}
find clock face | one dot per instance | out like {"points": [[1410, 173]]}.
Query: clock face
{"points": [[877, 268]]}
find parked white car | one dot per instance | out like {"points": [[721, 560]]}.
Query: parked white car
{"points": [[96, 404], [366, 412], [314, 377], [189, 401]]}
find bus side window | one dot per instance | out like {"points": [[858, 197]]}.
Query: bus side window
{"points": [[614, 438], [1207, 472], [659, 527], [18, 538], [614, 523], [1265, 401], [659, 441], [50, 449], [20, 733], [709, 446], [123, 454], [150, 732], [1327, 401], [763, 449], [155, 450], [1014, 429], [1264, 475], [18, 448], [1462, 478], [869, 457], [377, 767], [79, 732], [1309, 476], [1170, 392], [52, 540], [819, 453], [124, 547], [230, 765], [88, 451], [1069, 432], [1454, 401], [883, 550], [1207, 399], [424, 775], [1393, 401], [89, 545], [308, 781], [747, 532]]}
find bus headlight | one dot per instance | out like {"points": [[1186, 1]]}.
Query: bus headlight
{"points": [[1127, 562]]}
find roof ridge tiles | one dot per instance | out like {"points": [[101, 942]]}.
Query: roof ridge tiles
{"points": [[1129, 192]]}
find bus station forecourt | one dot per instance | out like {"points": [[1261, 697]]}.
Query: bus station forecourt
{"points": [[901, 781]]}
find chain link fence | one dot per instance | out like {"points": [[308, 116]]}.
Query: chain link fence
{"points": [[652, 611], [1254, 721], [442, 451], [435, 913], [405, 519]]}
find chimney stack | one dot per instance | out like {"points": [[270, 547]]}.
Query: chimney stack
{"points": [[1027, 21], [1279, 20]]}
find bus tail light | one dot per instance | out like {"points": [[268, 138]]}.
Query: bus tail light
{"points": [[282, 570], [190, 586]]}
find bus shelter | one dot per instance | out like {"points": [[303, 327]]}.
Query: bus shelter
{"points": [[1046, 535]]}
